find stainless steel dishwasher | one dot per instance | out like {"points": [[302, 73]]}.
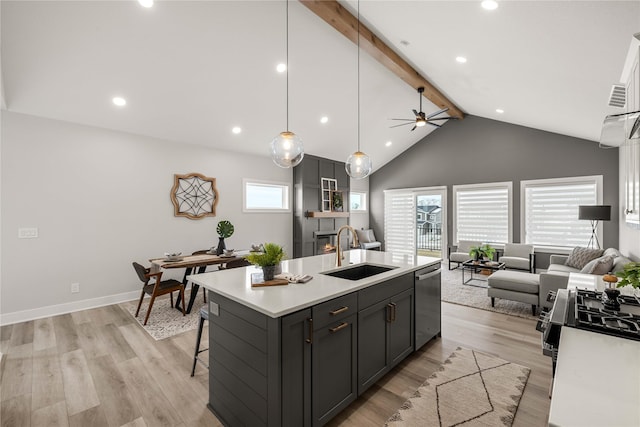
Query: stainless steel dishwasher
{"points": [[427, 304]]}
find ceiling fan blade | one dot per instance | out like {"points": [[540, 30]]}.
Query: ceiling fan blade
{"points": [[402, 124], [416, 113], [437, 112], [406, 120], [434, 124], [414, 128], [442, 118]]}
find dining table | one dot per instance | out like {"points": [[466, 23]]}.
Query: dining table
{"points": [[191, 263]]}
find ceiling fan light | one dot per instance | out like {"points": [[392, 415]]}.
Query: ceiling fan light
{"points": [[287, 150], [358, 165], [421, 122]]}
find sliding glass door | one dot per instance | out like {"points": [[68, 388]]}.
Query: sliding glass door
{"points": [[415, 221]]}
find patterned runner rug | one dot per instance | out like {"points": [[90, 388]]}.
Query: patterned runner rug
{"points": [[165, 321], [469, 389]]}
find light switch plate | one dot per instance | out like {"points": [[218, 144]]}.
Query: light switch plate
{"points": [[27, 233], [214, 308]]}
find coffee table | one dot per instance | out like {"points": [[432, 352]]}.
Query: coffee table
{"points": [[474, 267]]}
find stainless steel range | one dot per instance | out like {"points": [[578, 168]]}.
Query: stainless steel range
{"points": [[589, 310]]}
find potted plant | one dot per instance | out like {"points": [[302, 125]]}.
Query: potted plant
{"points": [[484, 252], [268, 260], [630, 275], [225, 230]]}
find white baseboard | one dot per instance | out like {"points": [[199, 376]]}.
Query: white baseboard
{"points": [[54, 310]]}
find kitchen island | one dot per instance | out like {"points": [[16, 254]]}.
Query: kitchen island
{"points": [[299, 354]]}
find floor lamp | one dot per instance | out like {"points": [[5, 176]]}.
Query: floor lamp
{"points": [[594, 213]]}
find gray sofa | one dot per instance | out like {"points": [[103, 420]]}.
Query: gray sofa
{"points": [[557, 275]]}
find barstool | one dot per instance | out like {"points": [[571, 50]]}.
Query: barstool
{"points": [[204, 315]]}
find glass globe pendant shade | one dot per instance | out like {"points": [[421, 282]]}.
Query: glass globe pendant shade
{"points": [[358, 165], [287, 150]]}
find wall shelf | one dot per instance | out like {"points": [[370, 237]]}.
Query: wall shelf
{"points": [[316, 214]]}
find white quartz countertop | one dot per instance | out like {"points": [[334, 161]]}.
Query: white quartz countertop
{"points": [[597, 381], [276, 301]]}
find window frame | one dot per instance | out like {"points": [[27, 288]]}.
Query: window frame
{"points": [[577, 180], [508, 185], [286, 195], [364, 196]]}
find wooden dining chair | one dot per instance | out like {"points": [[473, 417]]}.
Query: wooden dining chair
{"points": [[156, 288]]}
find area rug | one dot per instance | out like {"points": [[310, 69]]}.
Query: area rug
{"points": [[165, 321], [455, 292], [469, 389]]}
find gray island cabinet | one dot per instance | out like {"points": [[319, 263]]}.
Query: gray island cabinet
{"points": [[299, 354]]}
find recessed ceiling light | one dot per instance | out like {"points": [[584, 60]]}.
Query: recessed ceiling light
{"points": [[489, 4], [236, 130], [388, 143], [461, 59], [119, 101], [146, 3], [499, 110], [324, 119], [281, 68]]}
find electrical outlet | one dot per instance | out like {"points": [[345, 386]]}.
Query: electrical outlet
{"points": [[27, 233], [75, 288]]}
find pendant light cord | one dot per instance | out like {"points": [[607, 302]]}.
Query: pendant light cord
{"points": [[358, 76], [287, 59]]}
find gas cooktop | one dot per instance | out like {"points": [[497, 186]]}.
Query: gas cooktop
{"points": [[590, 313]]}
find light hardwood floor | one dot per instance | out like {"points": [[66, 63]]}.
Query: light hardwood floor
{"points": [[98, 367]]}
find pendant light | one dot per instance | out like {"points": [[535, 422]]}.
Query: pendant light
{"points": [[358, 164], [287, 150]]}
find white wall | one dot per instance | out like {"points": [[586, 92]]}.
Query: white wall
{"points": [[100, 200], [629, 236]]}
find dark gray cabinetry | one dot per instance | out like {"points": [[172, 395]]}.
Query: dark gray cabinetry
{"points": [[307, 197], [296, 372], [385, 328]]}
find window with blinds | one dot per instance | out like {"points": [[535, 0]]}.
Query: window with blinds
{"points": [[550, 210], [482, 212], [399, 222]]}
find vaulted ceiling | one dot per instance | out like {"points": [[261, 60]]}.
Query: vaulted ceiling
{"points": [[191, 71]]}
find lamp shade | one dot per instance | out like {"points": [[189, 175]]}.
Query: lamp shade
{"points": [[287, 150], [595, 212], [358, 165]]}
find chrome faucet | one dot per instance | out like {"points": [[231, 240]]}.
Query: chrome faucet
{"points": [[339, 255]]}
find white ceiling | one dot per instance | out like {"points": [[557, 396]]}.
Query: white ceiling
{"points": [[190, 71]]}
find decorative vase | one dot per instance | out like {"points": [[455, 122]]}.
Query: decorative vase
{"points": [[268, 271], [221, 246]]}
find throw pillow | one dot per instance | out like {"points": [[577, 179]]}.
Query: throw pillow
{"points": [[581, 256], [365, 236], [612, 252], [619, 263], [600, 265]]}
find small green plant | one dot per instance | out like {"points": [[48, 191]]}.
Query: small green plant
{"points": [[482, 251], [225, 229], [630, 275], [272, 255]]}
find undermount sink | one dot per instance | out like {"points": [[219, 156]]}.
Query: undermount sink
{"points": [[359, 271]]}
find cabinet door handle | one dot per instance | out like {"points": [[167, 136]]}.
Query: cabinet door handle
{"points": [[389, 313], [339, 310], [339, 327], [393, 311], [310, 339]]}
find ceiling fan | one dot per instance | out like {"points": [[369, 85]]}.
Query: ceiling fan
{"points": [[422, 119]]}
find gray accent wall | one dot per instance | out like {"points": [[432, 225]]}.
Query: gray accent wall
{"points": [[479, 150]]}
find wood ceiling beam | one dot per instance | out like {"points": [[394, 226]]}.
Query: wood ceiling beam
{"points": [[342, 20]]}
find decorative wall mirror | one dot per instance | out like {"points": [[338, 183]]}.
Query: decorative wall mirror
{"points": [[328, 186], [194, 196]]}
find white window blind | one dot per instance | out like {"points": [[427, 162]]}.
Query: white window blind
{"points": [[399, 222], [482, 212], [551, 210]]}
